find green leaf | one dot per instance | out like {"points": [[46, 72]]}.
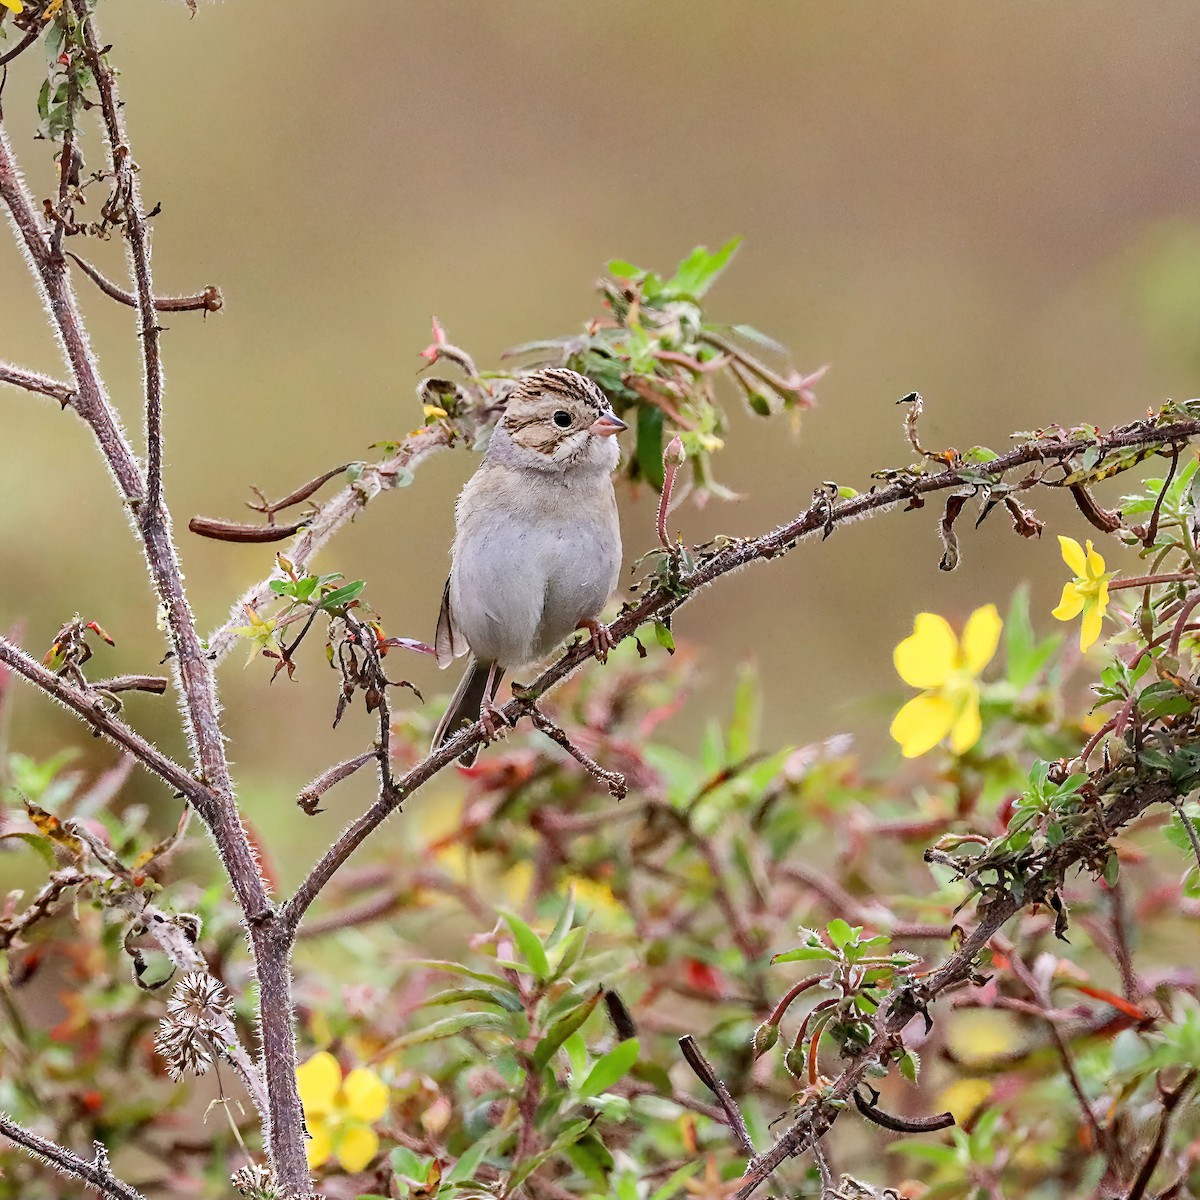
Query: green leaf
{"points": [[529, 944], [453, 968], [609, 1069], [41, 844], [503, 998], [676, 1181], [565, 917], [564, 1027], [804, 954], [409, 1163], [664, 637], [840, 933], [698, 272], [342, 596], [448, 1027], [622, 269], [465, 1168], [650, 445], [910, 1065], [743, 728]]}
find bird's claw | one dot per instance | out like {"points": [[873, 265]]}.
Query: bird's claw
{"points": [[600, 638], [493, 720]]}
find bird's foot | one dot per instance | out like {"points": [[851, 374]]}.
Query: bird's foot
{"points": [[601, 639], [493, 720]]}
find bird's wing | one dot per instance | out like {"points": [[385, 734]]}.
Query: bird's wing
{"points": [[449, 641]]}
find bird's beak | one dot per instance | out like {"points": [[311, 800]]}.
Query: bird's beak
{"points": [[607, 425]]}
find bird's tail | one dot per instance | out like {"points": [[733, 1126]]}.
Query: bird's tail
{"points": [[465, 704]]}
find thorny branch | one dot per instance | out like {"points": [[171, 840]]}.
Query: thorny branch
{"points": [[94, 1172], [902, 1006], [823, 516], [214, 797]]}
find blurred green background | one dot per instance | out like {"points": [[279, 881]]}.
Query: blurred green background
{"points": [[995, 205]]}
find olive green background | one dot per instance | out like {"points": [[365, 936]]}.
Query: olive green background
{"points": [[991, 204]]}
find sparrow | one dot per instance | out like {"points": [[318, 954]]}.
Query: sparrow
{"points": [[537, 545]]}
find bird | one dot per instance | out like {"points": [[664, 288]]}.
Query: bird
{"points": [[537, 545]]}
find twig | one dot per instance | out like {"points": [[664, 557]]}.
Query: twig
{"points": [[155, 684], [310, 795], [41, 906], [96, 1173], [1152, 527], [330, 517], [209, 300], [886, 1120], [1170, 1101], [233, 531], [707, 1076], [92, 709], [138, 240], [31, 381], [673, 458], [271, 507], [613, 780]]}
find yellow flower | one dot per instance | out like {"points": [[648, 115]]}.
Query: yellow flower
{"points": [[340, 1112], [947, 671], [16, 5], [1087, 593]]}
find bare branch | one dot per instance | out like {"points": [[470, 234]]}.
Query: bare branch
{"points": [[96, 1173], [330, 517], [704, 1072], [31, 381], [310, 796], [93, 709], [138, 240], [155, 684], [613, 780], [234, 531], [209, 300]]}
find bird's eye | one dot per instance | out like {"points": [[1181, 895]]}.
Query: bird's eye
{"points": [[562, 419]]}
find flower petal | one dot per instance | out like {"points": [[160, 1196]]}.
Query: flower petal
{"points": [[926, 657], [980, 638], [1071, 604], [319, 1146], [356, 1147], [1095, 561], [1073, 555], [1089, 631], [318, 1080], [969, 725], [1102, 596], [922, 723], [366, 1095]]}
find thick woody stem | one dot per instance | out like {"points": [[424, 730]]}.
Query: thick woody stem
{"points": [[190, 659]]}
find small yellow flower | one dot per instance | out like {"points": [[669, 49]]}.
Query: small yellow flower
{"points": [[16, 5], [947, 671], [1087, 593], [340, 1112]]}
